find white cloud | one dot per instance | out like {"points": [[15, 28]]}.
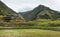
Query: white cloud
{"points": [[25, 5]]}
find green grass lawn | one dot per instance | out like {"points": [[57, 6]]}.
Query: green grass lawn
{"points": [[29, 33]]}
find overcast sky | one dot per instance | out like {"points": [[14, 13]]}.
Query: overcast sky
{"points": [[25, 5]]}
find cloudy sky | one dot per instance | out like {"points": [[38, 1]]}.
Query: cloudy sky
{"points": [[25, 5]]}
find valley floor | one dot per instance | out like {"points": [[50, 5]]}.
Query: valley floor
{"points": [[29, 33]]}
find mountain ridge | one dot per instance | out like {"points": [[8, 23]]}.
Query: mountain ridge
{"points": [[33, 14]]}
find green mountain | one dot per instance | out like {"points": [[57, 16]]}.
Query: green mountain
{"points": [[40, 12], [4, 10]]}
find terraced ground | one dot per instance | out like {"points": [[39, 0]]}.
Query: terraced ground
{"points": [[29, 33]]}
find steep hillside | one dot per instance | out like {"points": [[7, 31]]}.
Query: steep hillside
{"points": [[4, 10], [40, 12]]}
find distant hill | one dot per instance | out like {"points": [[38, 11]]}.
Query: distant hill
{"points": [[40, 12]]}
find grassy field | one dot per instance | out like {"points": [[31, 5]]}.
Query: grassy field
{"points": [[29, 33], [31, 28]]}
